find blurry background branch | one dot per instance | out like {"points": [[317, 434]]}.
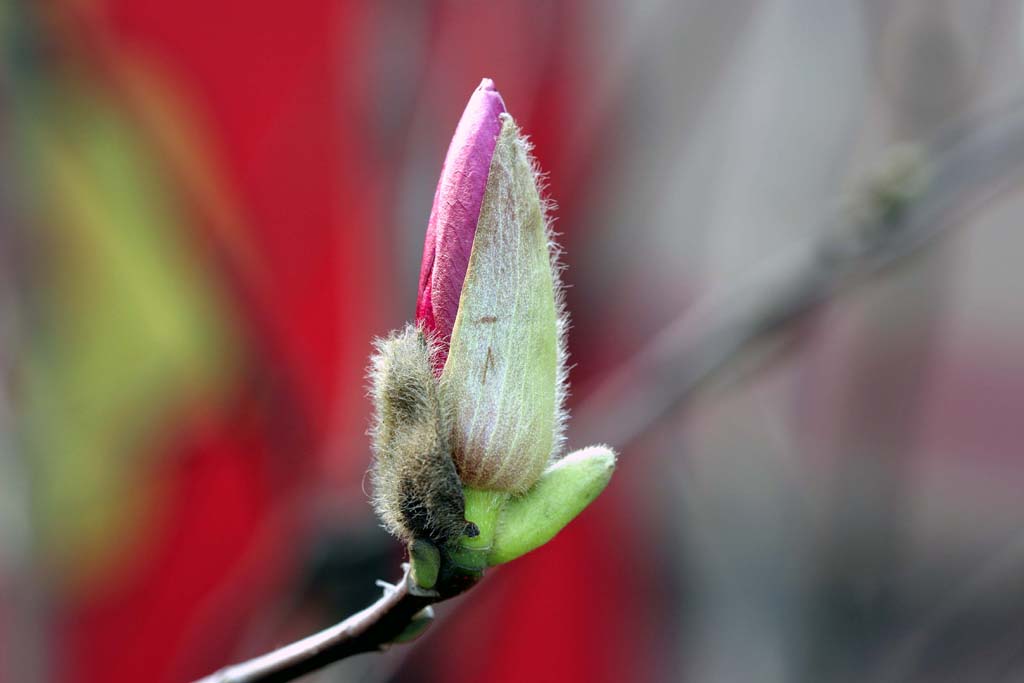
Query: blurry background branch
{"points": [[915, 196]]}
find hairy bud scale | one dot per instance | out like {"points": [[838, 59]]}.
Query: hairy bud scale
{"points": [[416, 490]]}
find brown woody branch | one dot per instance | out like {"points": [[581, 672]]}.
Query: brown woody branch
{"points": [[374, 628]]}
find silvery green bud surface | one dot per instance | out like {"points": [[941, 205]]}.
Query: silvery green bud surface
{"points": [[504, 373]]}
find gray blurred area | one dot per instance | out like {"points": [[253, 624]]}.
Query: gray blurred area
{"points": [[850, 510]]}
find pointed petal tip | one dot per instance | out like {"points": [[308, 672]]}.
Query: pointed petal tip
{"points": [[487, 86], [460, 191], [490, 101]]}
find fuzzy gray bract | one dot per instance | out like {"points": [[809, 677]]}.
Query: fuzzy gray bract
{"points": [[416, 489]]}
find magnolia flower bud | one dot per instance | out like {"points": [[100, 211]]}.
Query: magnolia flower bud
{"points": [[472, 397]]}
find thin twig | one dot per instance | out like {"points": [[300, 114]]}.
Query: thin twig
{"points": [[967, 166], [371, 629]]}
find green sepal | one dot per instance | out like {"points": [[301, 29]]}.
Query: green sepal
{"points": [[564, 489], [425, 559]]}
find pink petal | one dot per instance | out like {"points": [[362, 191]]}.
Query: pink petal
{"points": [[453, 218]]}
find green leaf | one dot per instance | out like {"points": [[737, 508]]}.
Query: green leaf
{"points": [[564, 489]]}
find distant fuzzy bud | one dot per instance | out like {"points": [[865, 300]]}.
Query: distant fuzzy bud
{"points": [[416, 490]]}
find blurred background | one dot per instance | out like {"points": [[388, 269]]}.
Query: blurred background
{"points": [[209, 209]]}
